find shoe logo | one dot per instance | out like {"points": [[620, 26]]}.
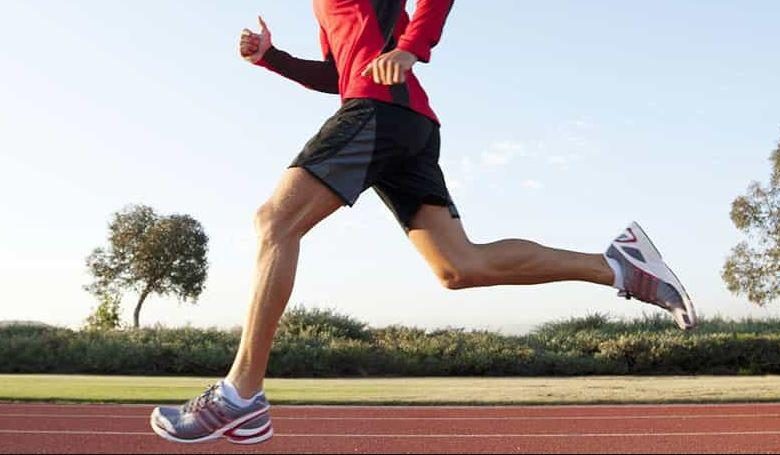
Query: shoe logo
{"points": [[627, 237], [634, 253]]}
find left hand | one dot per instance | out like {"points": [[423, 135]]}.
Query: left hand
{"points": [[253, 46], [390, 68]]}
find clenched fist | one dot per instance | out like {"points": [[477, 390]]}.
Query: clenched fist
{"points": [[254, 45]]}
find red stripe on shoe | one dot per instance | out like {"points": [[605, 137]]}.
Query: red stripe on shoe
{"points": [[231, 434]]}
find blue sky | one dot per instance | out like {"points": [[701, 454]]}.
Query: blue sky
{"points": [[563, 121]]}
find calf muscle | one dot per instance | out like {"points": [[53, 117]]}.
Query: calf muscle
{"points": [[459, 263]]}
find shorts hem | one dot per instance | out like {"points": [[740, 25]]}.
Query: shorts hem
{"points": [[344, 200], [435, 201]]}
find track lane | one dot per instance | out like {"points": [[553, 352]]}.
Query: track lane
{"points": [[428, 427], [26, 428]]}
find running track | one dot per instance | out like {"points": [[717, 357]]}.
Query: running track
{"points": [[754, 428]]}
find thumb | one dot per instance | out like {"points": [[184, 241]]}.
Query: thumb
{"points": [[263, 27], [367, 71]]}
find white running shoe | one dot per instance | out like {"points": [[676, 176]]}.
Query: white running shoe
{"points": [[646, 276], [212, 416]]}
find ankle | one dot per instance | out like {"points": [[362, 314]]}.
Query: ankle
{"points": [[246, 389], [612, 273]]}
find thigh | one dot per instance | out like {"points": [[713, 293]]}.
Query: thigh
{"points": [[302, 201], [440, 238]]}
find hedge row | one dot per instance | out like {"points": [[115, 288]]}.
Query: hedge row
{"points": [[316, 343]]}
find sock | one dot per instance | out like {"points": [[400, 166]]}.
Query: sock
{"points": [[230, 392], [617, 270]]}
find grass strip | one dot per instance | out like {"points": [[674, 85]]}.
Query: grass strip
{"points": [[405, 391]]}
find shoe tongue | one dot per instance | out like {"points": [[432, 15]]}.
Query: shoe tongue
{"points": [[230, 394], [219, 391]]}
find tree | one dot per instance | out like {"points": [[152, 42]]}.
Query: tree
{"points": [[150, 254], [753, 269], [106, 315]]}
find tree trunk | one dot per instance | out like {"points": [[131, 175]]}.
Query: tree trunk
{"points": [[137, 312]]}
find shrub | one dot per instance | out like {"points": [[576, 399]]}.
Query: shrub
{"points": [[323, 343], [300, 321]]}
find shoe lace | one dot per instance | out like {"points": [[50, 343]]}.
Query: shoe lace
{"points": [[199, 402]]}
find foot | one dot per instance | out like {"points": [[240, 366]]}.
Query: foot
{"points": [[212, 416], [647, 278]]}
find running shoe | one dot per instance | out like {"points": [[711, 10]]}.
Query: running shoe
{"points": [[212, 416], [647, 278]]}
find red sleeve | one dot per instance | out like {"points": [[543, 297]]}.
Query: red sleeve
{"points": [[424, 32]]}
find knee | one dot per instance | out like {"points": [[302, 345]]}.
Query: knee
{"points": [[271, 224]]}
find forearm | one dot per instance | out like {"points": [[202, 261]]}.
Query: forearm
{"points": [[321, 76]]}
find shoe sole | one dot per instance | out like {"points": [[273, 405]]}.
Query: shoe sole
{"points": [[250, 437], [668, 275], [217, 434]]}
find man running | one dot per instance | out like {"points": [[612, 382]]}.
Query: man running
{"points": [[385, 137]]}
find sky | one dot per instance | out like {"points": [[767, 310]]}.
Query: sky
{"points": [[562, 122]]}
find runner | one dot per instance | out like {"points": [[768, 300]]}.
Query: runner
{"points": [[385, 137]]}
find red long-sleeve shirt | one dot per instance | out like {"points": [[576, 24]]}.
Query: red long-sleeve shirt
{"points": [[352, 34]]}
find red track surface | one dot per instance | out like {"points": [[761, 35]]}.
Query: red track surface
{"points": [[755, 428]]}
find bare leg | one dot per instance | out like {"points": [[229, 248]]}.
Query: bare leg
{"points": [[461, 264], [297, 205]]}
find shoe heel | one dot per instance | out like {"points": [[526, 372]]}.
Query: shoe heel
{"points": [[644, 239]]}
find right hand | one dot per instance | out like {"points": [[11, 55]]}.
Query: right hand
{"points": [[254, 45]]}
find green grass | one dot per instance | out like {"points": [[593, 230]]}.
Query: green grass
{"points": [[424, 391]]}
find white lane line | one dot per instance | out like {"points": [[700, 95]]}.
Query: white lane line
{"points": [[543, 406], [75, 416], [321, 418], [9, 404], [424, 407], [80, 433], [544, 418], [532, 435], [427, 436]]}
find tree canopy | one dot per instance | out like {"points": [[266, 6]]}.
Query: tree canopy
{"points": [[150, 254], [753, 269]]}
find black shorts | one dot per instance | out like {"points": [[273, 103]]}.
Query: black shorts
{"points": [[395, 150]]}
